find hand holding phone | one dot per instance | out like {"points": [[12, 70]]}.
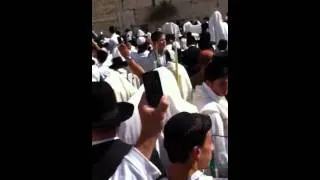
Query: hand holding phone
{"points": [[153, 88]]}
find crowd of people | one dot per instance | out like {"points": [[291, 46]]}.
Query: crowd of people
{"points": [[186, 135]]}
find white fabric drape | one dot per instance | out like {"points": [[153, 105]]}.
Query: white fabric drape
{"points": [[217, 28]]}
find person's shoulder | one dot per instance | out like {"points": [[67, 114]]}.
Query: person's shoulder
{"points": [[139, 162]]}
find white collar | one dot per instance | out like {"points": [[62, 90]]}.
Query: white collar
{"points": [[196, 175], [95, 60], [210, 93], [104, 140]]}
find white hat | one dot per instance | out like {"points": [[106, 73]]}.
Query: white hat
{"points": [[141, 41], [140, 33]]}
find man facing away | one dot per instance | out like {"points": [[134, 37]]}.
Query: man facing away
{"points": [[141, 56], [111, 158]]}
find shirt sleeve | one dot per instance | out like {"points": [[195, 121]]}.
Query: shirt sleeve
{"points": [[136, 166], [219, 141]]}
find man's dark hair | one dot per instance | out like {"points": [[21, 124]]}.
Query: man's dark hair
{"points": [[191, 40], [119, 40], [204, 26], [183, 132], [206, 18], [112, 29], [143, 47], [218, 68], [204, 42], [102, 56], [126, 30], [222, 45], [170, 38], [155, 36]]}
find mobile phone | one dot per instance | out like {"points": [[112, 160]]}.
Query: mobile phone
{"points": [[153, 88]]}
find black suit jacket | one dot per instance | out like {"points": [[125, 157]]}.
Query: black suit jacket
{"points": [[106, 157]]}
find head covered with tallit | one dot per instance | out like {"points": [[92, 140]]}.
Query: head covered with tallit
{"points": [[217, 27]]}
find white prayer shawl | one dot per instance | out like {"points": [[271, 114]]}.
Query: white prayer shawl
{"points": [[108, 61], [114, 37], [123, 89], [211, 30], [186, 86], [225, 29], [129, 131], [95, 74], [216, 107], [219, 27], [196, 28], [130, 77], [187, 27], [104, 70], [170, 28]]}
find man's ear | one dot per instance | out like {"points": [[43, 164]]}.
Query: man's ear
{"points": [[195, 154]]}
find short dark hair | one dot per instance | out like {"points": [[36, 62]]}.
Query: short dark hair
{"points": [[112, 29], [191, 40], [218, 68], [183, 132], [155, 36], [204, 42], [143, 47], [222, 44], [102, 56], [204, 26]]}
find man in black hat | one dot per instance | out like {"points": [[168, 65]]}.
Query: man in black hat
{"points": [[111, 158]]}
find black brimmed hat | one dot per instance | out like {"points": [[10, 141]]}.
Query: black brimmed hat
{"points": [[106, 112]]}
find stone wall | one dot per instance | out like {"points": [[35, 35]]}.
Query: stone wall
{"points": [[124, 13]]}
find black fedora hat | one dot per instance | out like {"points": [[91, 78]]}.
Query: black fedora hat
{"points": [[118, 63], [106, 112]]}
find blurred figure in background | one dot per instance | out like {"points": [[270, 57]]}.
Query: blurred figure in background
{"points": [[204, 59]]}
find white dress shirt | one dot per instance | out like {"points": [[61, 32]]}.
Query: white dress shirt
{"points": [[135, 166], [95, 73], [217, 108], [157, 59], [142, 60]]}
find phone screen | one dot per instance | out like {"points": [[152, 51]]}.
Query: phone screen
{"points": [[153, 88]]}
